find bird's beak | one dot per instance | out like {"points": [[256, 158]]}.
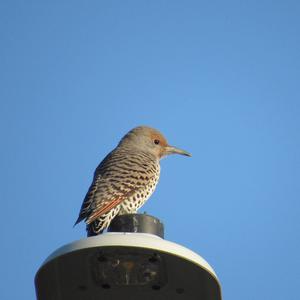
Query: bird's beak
{"points": [[173, 150]]}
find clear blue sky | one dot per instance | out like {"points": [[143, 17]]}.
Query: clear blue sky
{"points": [[220, 79]]}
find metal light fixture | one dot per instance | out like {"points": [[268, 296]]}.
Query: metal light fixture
{"points": [[128, 265]]}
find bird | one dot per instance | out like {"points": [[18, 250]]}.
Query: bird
{"points": [[126, 178]]}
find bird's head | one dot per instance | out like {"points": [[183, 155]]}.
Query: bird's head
{"points": [[150, 140]]}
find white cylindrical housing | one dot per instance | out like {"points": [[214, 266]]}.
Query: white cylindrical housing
{"points": [[128, 265]]}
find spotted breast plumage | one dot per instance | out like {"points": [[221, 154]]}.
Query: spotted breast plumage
{"points": [[126, 178]]}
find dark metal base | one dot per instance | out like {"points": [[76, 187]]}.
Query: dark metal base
{"points": [[141, 223]]}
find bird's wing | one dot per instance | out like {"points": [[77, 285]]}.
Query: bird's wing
{"points": [[88, 200], [104, 194], [108, 204], [109, 190]]}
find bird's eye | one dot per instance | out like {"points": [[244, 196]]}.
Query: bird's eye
{"points": [[156, 142]]}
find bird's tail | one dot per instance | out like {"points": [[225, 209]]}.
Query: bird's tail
{"points": [[95, 228]]}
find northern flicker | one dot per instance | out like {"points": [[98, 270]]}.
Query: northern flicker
{"points": [[126, 178]]}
